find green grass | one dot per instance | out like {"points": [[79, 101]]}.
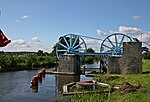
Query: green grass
{"points": [[142, 80], [146, 65]]}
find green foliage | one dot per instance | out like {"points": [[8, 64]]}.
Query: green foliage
{"points": [[8, 61], [145, 66], [90, 50], [93, 97], [41, 53], [90, 59], [53, 53], [146, 55], [26, 61]]}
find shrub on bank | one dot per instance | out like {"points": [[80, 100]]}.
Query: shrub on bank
{"points": [[17, 62]]}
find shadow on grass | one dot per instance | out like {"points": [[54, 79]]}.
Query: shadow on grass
{"points": [[146, 72]]}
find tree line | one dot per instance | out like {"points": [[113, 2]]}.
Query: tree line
{"points": [[146, 55], [20, 62]]}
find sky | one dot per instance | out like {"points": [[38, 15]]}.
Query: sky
{"points": [[34, 25]]}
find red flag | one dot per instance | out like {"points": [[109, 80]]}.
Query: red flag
{"points": [[3, 40]]}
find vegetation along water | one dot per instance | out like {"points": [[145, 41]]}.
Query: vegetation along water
{"points": [[26, 61], [133, 87]]}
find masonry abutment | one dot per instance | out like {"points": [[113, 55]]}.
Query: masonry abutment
{"points": [[130, 62], [69, 63]]}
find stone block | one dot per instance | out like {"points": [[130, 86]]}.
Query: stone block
{"points": [[69, 64], [113, 65]]}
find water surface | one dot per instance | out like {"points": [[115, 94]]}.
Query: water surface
{"points": [[15, 86]]}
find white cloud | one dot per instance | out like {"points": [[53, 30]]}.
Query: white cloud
{"points": [[136, 17], [36, 39], [112, 32], [21, 45], [145, 37], [99, 32], [94, 44], [129, 30], [18, 42], [25, 17]]}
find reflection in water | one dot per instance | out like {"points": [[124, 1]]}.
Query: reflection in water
{"points": [[15, 86], [35, 88], [36, 80], [40, 80], [59, 81], [65, 79], [92, 67]]}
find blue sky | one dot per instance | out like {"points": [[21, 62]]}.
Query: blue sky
{"points": [[34, 25]]}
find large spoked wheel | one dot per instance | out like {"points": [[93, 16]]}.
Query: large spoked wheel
{"points": [[113, 44], [70, 44]]}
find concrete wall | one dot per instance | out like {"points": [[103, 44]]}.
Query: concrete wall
{"points": [[130, 62], [113, 66], [69, 64]]}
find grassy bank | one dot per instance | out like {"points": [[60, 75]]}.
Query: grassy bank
{"points": [[133, 87]]}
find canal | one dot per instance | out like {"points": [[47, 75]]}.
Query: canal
{"points": [[15, 86]]}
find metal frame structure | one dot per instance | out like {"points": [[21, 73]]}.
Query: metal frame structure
{"points": [[112, 45], [71, 44]]}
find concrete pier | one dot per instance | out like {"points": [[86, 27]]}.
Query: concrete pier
{"points": [[69, 63], [130, 62], [113, 65]]}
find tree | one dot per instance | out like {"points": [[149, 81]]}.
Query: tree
{"points": [[40, 53], [90, 50], [146, 55], [53, 53], [89, 60]]}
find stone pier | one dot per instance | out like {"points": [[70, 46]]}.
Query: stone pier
{"points": [[130, 62], [69, 63], [113, 66]]}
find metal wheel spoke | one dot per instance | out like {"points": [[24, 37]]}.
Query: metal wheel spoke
{"points": [[106, 46], [121, 48], [111, 42], [61, 50], [66, 41], [70, 40], [121, 41], [116, 40], [75, 41], [65, 53], [62, 45], [76, 50], [78, 45]]}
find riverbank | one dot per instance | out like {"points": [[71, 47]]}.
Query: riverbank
{"points": [[25, 62], [133, 87]]}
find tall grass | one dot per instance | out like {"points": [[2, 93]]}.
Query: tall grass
{"points": [[142, 80]]}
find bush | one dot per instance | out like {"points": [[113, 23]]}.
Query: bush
{"points": [[26, 61], [89, 60]]}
